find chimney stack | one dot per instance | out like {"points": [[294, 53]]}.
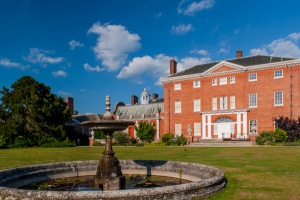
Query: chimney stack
{"points": [[70, 104], [173, 66], [154, 96], [134, 100], [239, 53]]}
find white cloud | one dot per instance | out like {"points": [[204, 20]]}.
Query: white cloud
{"points": [[87, 67], [65, 94], [158, 15], [7, 63], [73, 44], [194, 7], [157, 67], [59, 73], [182, 29], [224, 50], [258, 51], [41, 57], [114, 44], [201, 52], [286, 47]]}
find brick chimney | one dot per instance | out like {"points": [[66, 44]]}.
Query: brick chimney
{"points": [[154, 96], [173, 66], [239, 53], [70, 104], [134, 100]]}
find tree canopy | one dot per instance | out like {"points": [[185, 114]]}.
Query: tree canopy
{"points": [[145, 131], [29, 110]]}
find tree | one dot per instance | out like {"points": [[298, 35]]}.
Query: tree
{"points": [[145, 131], [290, 125], [30, 111]]}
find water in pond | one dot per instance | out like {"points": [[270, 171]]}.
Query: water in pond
{"points": [[86, 183]]}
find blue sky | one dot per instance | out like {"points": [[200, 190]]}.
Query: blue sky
{"points": [[90, 49]]}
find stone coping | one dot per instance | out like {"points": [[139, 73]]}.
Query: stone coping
{"points": [[206, 180]]}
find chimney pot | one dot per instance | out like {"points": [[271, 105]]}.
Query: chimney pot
{"points": [[134, 100], [239, 53], [173, 66]]}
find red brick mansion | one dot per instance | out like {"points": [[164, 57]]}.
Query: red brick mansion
{"points": [[235, 98]]}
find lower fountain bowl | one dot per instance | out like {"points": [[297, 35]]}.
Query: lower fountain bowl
{"points": [[205, 180]]}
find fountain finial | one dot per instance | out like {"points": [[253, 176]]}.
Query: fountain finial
{"points": [[107, 115]]}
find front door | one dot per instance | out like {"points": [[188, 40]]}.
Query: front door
{"points": [[223, 127]]}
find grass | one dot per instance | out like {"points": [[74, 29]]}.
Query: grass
{"points": [[252, 172]]}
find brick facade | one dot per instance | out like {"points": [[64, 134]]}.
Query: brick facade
{"points": [[231, 91]]}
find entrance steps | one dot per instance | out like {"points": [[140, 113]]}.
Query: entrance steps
{"points": [[220, 142]]}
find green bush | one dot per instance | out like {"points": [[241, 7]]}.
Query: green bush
{"points": [[271, 137], [168, 137], [96, 143], [180, 140], [99, 135], [121, 138]]}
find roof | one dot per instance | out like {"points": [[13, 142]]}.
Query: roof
{"points": [[139, 109], [243, 61]]}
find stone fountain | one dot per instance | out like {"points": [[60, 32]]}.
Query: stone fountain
{"points": [[109, 175], [203, 180]]}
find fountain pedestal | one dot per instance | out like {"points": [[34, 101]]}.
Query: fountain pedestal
{"points": [[109, 175]]}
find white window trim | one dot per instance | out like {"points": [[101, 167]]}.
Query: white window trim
{"points": [[178, 129], [223, 80], [232, 81], [275, 77], [255, 101], [232, 102], [214, 81], [177, 86], [254, 128], [177, 107], [252, 79], [281, 98], [196, 86], [197, 108], [223, 101], [214, 103], [197, 129]]}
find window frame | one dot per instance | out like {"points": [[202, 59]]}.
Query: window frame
{"points": [[223, 103], [197, 128], [177, 106], [232, 102], [276, 100], [178, 128], [214, 102], [250, 100], [251, 78], [253, 127], [197, 105], [196, 86], [276, 76], [232, 79], [177, 86], [214, 81], [223, 80]]}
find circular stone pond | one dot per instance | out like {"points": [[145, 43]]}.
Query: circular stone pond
{"points": [[203, 180]]}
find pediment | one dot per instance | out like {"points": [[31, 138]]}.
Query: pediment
{"points": [[224, 67]]}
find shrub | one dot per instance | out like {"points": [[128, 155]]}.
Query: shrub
{"points": [[96, 143], [271, 137], [181, 140], [121, 138], [290, 125], [145, 131], [99, 135], [168, 137]]}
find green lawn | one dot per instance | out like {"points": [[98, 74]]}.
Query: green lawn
{"points": [[252, 172]]}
